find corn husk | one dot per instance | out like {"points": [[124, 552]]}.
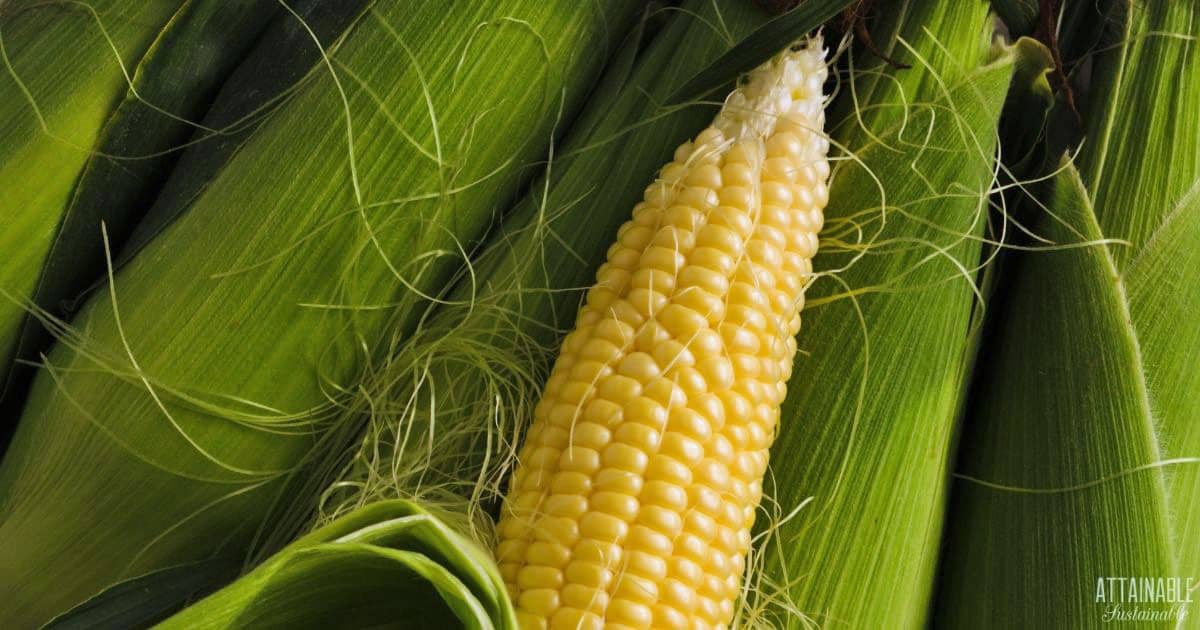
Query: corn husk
{"points": [[161, 114], [63, 78], [166, 421], [383, 564], [453, 402], [280, 62], [1079, 458], [859, 472]]}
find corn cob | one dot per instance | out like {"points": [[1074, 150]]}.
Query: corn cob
{"points": [[639, 479]]}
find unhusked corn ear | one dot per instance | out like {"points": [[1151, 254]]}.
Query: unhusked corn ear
{"points": [[640, 476], [209, 389]]}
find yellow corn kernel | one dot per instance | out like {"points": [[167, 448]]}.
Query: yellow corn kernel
{"points": [[638, 483]]}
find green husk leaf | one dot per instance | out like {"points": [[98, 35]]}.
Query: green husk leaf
{"points": [[1082, 464], [283, 58], [172, 86], [452, 404], [1028, 112], [215, 364], [385, 564], [61, 79], [617, 72], [1140, 157], [1054, 491], [859, 472], [1164, 293], [1141, 166]]}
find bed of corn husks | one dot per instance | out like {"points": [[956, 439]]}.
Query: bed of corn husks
{"points": [[168, 434], [282, 283]]}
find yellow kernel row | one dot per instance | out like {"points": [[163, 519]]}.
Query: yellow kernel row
{"points": [[639, 479]]}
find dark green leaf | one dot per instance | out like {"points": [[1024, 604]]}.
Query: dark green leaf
{"points": [[173, 85], [283, 57], [1020, 16], [148, 599], [62, 77]]}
